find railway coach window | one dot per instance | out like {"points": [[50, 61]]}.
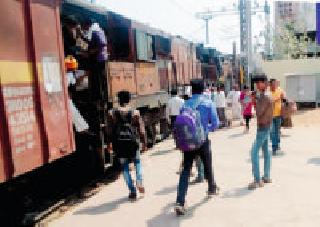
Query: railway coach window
{"points": [[118, 39], [145, 46]]}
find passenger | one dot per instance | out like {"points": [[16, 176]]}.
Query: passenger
{"points": [[208, 114], [213, 94], [264, 120], [247, 105], [69, 31], [174, 106], [125, 132], [97, 50], [234, 96], [220, 101], [229, 112], [277, 97]]}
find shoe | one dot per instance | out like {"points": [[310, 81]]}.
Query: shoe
{"points": [[255, 185], [266, 180], [133, 196], [180, 210], [141, 189], [214, 193]]}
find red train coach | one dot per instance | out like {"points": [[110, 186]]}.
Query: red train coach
{"points": [[35, 120]]}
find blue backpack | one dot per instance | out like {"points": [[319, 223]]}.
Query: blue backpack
{"points": [[188, 130]]}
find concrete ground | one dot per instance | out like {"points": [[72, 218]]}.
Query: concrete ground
{"points": [[291, 200]]}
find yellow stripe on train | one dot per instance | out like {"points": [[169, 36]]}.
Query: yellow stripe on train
{"points": [[15, 72]]}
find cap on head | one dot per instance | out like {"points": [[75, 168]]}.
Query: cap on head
{"points": [[197, 86]]}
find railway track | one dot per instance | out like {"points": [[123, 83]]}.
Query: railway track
{"points": [[31, 198]]}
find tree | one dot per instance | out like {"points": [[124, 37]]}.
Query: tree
{"points": [[288, 44]]}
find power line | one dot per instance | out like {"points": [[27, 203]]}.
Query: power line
{"points": [[181, 8]]}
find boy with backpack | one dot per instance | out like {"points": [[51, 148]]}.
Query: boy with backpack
{"points": [[192, 126], [125, 132]]}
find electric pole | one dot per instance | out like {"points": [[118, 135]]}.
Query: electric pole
{"points": [[267, 30], [206, 16], [245, 12], [246, 37]]}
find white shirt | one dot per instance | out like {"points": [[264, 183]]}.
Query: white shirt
{"points": [[174, 106], [234, 96], [220, 99], [207, 93]]}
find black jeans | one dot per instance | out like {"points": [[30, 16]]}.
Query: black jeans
{"points": [[222, 116], [205, 154], [172, 119], [97, 81], [248, 119]]}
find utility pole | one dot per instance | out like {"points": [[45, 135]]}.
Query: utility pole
{"points": [[245, 12], [206, 16], [267, 34], [246, 37]]}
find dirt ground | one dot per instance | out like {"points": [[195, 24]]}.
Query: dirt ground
{"points": [[291, 200], [307, 118]]}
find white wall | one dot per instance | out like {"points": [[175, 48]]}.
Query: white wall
{"points": [[278, 68]]}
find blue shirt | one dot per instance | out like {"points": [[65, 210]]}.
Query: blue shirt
{"points": [[208, 112]]}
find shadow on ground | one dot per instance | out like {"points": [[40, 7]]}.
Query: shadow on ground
{"points": [[236, 135], [102, 208], [236, 193], [162, 152], [167, 190], [168, 217], [314, 161]]}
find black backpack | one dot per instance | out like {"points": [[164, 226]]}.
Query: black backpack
{"points": [[125, 137]]}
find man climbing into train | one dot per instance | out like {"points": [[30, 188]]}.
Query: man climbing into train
{"points": [[125, 132], [97, 51]]}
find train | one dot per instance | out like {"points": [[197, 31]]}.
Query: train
{"points": [[36, 119]]}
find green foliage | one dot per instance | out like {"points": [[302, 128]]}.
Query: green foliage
{"points": [[288, 45]]}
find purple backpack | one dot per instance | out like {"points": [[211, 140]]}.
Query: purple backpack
{"points": [[188, 130]]}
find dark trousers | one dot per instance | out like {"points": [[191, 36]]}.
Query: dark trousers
{"points": [[97, 81], [275, 134], [222, 116], [173, 119], [247, 119], [205, 155]]}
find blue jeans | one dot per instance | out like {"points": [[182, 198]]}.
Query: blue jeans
{"points": [[126, 172], [206, 157], [275, 133], [261, 141]]}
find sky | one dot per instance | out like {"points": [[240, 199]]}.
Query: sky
{"points": [[178, 18]]}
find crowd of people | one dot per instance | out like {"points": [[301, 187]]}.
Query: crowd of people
{"points": [[192, 118]]}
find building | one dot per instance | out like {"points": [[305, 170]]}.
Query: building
{"points": [[301, 14], [295, 20]]}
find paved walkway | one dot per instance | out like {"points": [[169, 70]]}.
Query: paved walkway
{"points": [[292, 200]]}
